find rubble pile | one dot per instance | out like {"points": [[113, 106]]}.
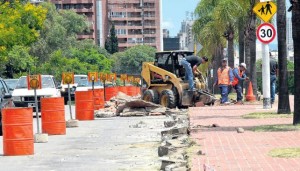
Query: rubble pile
{"points": [[126, 106], [175, 141]]}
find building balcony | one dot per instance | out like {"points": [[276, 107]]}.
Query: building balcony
{"points": [[84, 36], [72, 1], [83, 10]]}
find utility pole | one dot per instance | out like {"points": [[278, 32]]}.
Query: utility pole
{"points": [[266, 74]]}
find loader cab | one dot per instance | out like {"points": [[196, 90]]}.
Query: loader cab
{"points": [[169, 61]]}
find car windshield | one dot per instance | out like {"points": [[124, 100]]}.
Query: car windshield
{"points": [[77, 79], [47, 82], [11, 83], [86, 83]]}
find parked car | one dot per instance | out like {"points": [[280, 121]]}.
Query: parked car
{"points": [[5, 100], [85, 85], [22, 97], [64, 89], [11, 83]]}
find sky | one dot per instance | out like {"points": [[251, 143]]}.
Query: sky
{"points": [[174, 12]]}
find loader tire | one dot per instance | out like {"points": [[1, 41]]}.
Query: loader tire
{"points": [[168, 99], [151, 96]]}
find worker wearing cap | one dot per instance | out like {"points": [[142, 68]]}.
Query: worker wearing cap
{"points": [[224, 80], [191, 64], [239, 76]]}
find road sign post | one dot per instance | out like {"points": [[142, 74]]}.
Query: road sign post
{"points": [[68, 78], [34, 82], [265, 33]]}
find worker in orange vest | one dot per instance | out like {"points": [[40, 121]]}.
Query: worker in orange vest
{"points": [[239, 76], [223, 80]]}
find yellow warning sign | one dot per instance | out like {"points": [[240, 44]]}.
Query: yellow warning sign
{"points": [[93, 76], [112, 77], [137, 80], [103, 76], [34, 82], [130, 79], [265, 10], [68, 77], [123, 77]]}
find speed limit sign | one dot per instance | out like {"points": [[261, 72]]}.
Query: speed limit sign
{"points": [[266, 33]]}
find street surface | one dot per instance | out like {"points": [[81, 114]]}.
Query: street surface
{"points": [[101, 145]]}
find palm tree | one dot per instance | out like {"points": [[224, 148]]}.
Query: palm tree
{"points": [[250, 46], [284, 103], [296, 39], [241, 40]]}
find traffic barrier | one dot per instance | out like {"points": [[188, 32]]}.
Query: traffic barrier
{"points": [[122, 89], [110, 92], [84, 105], [131, 91], [98, 99], [250, 96], [17, 128], [138, 91], [53, 116]]}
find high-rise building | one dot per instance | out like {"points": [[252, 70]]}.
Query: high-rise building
{"points": [[185, 35], [87, 8], [136, 22], [289, 33], [166, 33]]}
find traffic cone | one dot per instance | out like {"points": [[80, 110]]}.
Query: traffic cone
{"points": [[250, 96]]}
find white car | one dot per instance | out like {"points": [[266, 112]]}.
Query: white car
{"points": [[64, 87], [85, 85], [22, 97]]}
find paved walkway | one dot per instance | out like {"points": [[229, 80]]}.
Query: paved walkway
{"points": [[227, 150]]}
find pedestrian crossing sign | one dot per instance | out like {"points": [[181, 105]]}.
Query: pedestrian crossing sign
{"points": [[265, 10]]}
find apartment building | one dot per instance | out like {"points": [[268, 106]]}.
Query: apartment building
{"points": [[136, 22], [87, 8]]}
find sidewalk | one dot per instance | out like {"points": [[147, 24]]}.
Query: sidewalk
{"points": [[227, 150]]}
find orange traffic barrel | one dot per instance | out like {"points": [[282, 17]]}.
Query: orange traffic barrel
{"points": [[99, 102], [53, 116], [122, 89], [138, 91], [17, 131], [131, 91], [110, 92], [84, 105]]}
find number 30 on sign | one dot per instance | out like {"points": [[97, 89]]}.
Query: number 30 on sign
{"points": [[266, 33]]}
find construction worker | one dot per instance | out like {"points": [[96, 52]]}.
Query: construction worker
{"points": [[239, 76], [191, 64], [224, 80]]}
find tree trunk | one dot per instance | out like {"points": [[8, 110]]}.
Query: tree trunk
{"points": [[230, 48], [296, 40], [218, 56], [241, 42], [252, 66], [283, 103]]}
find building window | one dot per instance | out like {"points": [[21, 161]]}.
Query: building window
{"points": [[121, 31], [118, 14]]}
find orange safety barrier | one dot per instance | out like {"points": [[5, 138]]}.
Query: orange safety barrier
{"points": [[110, 92], [131, 90], [17, 131], [98, 99], [138, 90], [84, 105], [53, 116], [122, 89]]}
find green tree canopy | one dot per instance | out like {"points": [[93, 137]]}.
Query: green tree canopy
{"points": [[130, 61]]}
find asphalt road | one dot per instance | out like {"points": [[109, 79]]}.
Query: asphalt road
{"points": [[103, 144]]}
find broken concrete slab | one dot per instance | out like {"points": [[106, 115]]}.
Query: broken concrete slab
{"points": [[103, 114], [169, 124], [166, 161], [175, 131], [138, 103], [159, 109]]}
